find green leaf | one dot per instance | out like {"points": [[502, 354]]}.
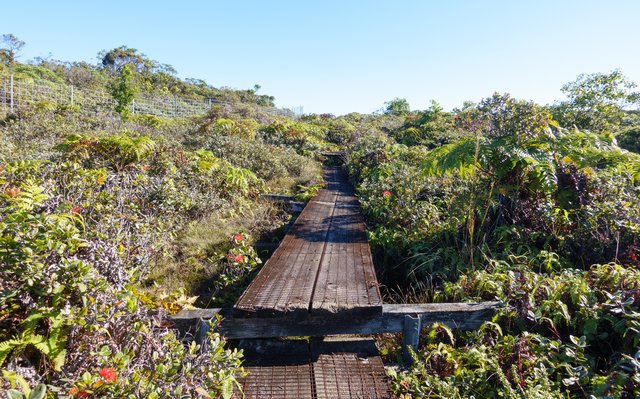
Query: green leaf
{"points": [[13, 394], [590, 327], [38, 392], [16, 379]]}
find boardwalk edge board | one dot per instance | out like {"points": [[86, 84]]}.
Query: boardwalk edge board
{"points": [[464, 316]]}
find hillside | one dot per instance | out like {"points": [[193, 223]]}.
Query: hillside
{"points": [[112, 220]]}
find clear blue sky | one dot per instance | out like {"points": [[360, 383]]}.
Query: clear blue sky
{"points": [[342, 56]]}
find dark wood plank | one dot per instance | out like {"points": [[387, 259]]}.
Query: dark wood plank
{"points": [[348, 370], [321, 369], [346, 281], [285, 283], [277, 370]]}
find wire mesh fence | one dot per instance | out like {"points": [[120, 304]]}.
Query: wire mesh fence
{"points": [[17, 92]]}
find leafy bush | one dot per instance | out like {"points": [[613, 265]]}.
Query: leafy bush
{"points": [[268, 162], [569, 333], [81, 233], [517, 210], [69, 307], [629, 138]]}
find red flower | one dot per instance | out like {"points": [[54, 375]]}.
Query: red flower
{"points": [[12, 192], [76, 209], [386, 193], [238, 237], [108, 374], [236, 258]]}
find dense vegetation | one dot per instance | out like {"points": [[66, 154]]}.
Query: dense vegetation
{"points": [[538, 207], [110, 221]]}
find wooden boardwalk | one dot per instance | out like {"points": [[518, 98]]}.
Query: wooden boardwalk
{"points": [[323, 264], [323, 369], [322, 267], [321, 282]]}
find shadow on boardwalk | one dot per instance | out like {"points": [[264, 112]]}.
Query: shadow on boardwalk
{"points": [[344, 229]]}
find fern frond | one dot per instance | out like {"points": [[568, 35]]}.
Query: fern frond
{"points": [[6, 347], [635, 172], [16, 380], [58, 359], [457, 157]]}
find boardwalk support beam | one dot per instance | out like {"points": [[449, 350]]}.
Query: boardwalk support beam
{"points": [[237, 325]]}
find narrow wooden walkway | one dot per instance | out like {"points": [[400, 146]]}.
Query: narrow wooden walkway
{"points": [[323, 265]]}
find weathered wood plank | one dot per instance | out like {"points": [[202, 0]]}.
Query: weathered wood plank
{"points": [[465, 316], [319, 369], [334, 154], [348, 370], [340, 279], [277, 370], [346, 282], [285, 283]]}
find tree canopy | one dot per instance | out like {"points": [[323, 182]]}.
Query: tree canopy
{"points": [[397, 107], [596, 101], [115, 59], [11, 46]]}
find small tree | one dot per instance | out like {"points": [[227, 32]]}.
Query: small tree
{"points": [[397, 107], [11, 46], [501, 115], [596, 101], [115, 59], [124, 91]]}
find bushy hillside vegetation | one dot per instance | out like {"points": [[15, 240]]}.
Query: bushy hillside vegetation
{"points": [[109, 222], [501, 200]]}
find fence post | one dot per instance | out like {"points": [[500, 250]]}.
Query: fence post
{"points": [[133, 106], [71, 94], [11, 94], [175, 106], [412, 327]]}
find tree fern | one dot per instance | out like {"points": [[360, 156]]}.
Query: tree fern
{"points": [[533, 162], [635, 171], [30, 196], [118, 150], [207, 161], [125, 150], [6, 347], [457, 157]]}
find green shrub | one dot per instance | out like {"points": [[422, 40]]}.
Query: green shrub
{"points": [[629, 139]]}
